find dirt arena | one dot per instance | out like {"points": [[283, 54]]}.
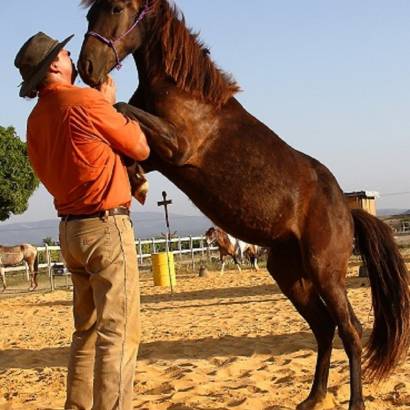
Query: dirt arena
{"points": [[229, 342]]}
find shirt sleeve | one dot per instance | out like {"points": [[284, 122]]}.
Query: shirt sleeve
{"points": [[121, 133], [30, 152]]}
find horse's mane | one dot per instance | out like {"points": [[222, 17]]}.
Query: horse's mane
{"points": [[183, 56]]}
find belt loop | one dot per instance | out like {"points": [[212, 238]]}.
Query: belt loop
{"points": [[106, 215]]}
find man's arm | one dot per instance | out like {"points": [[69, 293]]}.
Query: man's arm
{"points": [[123, 134]]}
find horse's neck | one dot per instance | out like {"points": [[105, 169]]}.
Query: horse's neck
{"points": [[232, 240], [228, 242]]}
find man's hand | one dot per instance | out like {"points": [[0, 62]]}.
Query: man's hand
{"points": [[109, 90]]}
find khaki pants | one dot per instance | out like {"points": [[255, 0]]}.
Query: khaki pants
{"points": [[101, 256]]}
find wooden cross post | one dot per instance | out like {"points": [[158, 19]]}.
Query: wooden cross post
{"points": [[165, 204]]}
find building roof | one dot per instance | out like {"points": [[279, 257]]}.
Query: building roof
{"points": [[363, 194]]}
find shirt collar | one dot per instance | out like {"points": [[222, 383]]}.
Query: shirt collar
{"points": [[54, 87]]}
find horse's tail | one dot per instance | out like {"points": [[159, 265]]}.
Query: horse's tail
{"points": [[389, 280]]}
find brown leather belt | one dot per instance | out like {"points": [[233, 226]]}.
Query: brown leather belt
{"points": [[121, 210]]}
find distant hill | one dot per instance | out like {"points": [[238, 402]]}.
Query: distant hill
{"points": [[146, 225], [391, 211]]}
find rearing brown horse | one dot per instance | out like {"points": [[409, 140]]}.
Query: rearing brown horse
{"points": [[255, 186]]}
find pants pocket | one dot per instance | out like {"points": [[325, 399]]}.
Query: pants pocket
{"points": [[127, 232], [93, 242]]}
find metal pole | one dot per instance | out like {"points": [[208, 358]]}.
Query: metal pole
{"points": [[165, 204]]}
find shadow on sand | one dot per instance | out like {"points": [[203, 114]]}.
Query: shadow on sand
{"points": [[176, 349], [206, 348], [213, 293]]}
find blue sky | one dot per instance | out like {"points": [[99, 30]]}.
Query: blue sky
{"points": [[332, 78]]}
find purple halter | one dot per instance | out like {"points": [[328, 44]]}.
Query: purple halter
{"points": [[111, 43]]}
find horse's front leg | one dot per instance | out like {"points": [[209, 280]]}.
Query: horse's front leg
{"points": [[3, 278], [162, 136], [222, 259], [238, 265], [139, 184], [27, 271], [33, 276]]}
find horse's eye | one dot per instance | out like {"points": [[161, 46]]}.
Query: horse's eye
{"points": [[117, 10]]}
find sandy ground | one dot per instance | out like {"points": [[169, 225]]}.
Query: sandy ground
{"points": [[229, 342]]}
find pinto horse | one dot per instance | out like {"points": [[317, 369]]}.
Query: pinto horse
{"points": [[230, 246], [251, 183], [15, 255]]}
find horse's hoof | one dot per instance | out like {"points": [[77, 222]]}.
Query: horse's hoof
{"points": [[357, 406], [310, 403], [306, 405]]}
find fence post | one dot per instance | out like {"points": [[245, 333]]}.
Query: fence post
{"points": [[154, 248], [201, 244], [191, 245], [50, 273], [180, 248], [140, 251]]}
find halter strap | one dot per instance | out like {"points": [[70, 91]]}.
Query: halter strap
{"points": [[111, 42]]}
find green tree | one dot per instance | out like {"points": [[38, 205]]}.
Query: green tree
{"points": [[17, 179], [48, 240]]}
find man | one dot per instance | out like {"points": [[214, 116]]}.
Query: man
{"points": [[76, 141]]}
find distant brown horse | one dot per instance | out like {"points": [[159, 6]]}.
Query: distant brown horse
{"points": [[15, 255], [251, 183], [230, 246]]}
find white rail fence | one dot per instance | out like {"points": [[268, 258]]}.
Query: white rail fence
{"points": [[186, 250]]}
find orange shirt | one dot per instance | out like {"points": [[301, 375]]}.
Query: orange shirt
{"points": [[75, 139]]}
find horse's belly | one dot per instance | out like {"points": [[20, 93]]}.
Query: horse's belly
{"points": [[10, 261], [249, 211]]}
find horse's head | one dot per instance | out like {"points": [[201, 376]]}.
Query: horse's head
{"points": [[114, 31], [210, 236]]}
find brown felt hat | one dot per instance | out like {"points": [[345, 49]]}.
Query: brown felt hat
{"points": [[34, 59]]}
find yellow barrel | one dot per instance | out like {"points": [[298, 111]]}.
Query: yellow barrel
{"points": [[160, 268]]}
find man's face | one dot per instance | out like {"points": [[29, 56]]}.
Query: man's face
{"points": [[66, 65]]}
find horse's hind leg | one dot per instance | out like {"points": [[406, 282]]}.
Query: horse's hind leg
{"points": [[349, 329], [255, 263], [285, 266], [355, 321], [328, 268], [238, 265], [3, 278]]}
